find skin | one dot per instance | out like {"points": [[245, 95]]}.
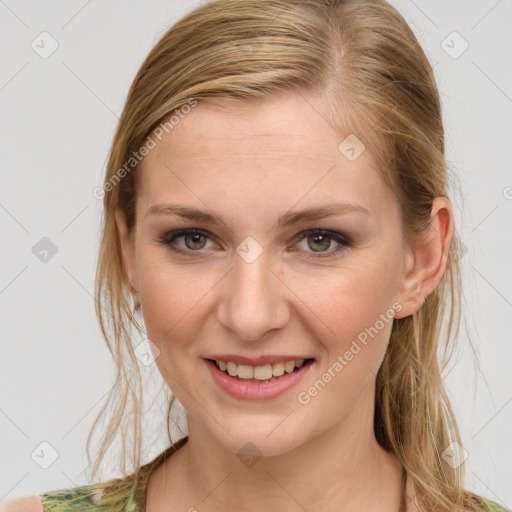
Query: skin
{"points": [[250, 166]]}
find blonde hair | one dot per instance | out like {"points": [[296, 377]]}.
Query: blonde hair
{"points": [[365, 62]]}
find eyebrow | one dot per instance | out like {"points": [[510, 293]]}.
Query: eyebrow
{"points": [[287, 219]]}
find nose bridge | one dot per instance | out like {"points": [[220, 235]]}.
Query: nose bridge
{"points": [[252, 303]]}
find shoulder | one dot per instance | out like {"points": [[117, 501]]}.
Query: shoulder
{"points": [[80, 499], [25, 504], [117, 495]]}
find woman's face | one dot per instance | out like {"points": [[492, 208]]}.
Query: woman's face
{"points": [[257, 287]]}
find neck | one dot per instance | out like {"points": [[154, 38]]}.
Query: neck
{"points": [[343, 469]]}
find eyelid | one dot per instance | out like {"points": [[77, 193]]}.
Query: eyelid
{"points": [[340, 237], [170, 236], [342, 240]]}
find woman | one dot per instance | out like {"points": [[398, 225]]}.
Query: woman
{"points": [[276, 203]]}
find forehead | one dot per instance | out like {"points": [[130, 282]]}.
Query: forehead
{"points": [[286, 126], [282, 149]]}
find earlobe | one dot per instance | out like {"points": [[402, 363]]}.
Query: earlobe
{"points": [[127, 248], [425, 264]]}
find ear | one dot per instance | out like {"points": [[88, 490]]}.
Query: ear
{"points": [[128, 249], [425, 263]]}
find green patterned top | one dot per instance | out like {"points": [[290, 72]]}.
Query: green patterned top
{"points": [[119, 495], [129, 494], [494, 507]]}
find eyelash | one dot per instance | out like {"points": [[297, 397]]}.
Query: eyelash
{"points": [[343, 240]]}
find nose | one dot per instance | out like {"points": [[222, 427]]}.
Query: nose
{"points": [[253, 300]]}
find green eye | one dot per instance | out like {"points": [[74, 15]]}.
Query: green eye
{"points": [[318, 240]]}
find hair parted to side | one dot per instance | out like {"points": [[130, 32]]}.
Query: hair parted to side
{"points": [[365, 62]]}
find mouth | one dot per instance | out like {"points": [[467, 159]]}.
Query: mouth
{"points": [[261, 373], [257, 382]]}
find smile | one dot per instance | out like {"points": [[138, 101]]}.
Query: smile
{"points": [[264, 373], [260, 382]]}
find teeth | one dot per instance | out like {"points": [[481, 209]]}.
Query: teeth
{"points": [[245, 371], [232, 369], [289, 366], [262, 372], [278, 369]]}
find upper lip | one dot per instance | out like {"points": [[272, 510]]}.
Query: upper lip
{"points": [[257, 361]]}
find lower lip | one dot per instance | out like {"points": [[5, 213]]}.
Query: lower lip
{"points": [[256, 390]]}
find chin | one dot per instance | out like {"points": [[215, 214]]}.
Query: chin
{"points": [[260, 437]]}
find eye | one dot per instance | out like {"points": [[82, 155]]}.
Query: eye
{"points": [[194, 240], [319, 240]]}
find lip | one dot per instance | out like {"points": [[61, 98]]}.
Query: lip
{"points": [[257, 361], [246, 390]]}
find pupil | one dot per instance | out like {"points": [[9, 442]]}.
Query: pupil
{"points": [[320, 239], [195, 240]]}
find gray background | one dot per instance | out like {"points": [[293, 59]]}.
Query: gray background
{"points": [[58, 118]]}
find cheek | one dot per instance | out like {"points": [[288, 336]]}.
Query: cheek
{"points": [[173, 304], [351, 317], [344, 302]]}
